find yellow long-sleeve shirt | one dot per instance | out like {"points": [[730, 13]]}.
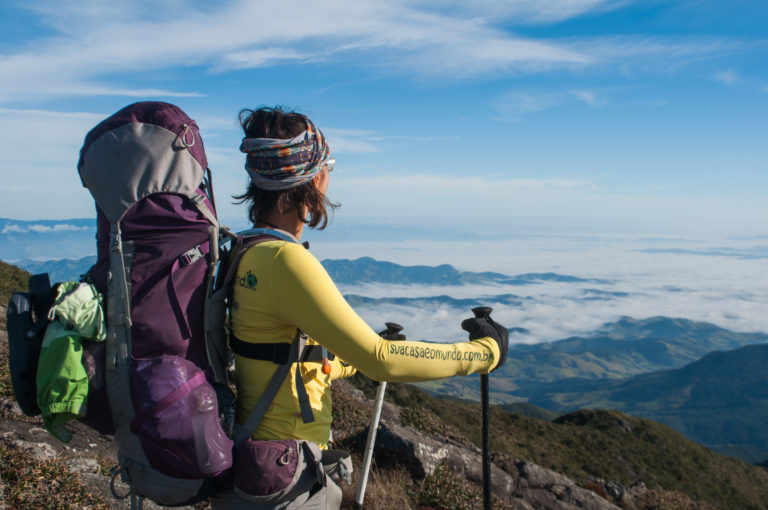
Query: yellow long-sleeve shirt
{"points": [[280, 287]]}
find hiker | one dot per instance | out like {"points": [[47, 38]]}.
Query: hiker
{"points": [[281, 291]]}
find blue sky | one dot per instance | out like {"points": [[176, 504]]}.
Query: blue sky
{"points": [[597, 113]]}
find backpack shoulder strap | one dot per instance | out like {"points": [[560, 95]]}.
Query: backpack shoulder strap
{"points": [[219, 290]]}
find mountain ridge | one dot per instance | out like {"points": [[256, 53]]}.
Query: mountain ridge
{"points": [[350, 272], [720, 401]]}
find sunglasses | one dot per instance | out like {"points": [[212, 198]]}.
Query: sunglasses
{"points": [[330, 163]]}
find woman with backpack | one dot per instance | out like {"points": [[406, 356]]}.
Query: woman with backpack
{"points": [[286, 312]]}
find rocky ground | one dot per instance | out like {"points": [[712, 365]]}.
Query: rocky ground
{"points": [[404, 456]]}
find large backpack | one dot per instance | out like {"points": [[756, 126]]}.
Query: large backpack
{"points": [[157, 245], [165, 269]]}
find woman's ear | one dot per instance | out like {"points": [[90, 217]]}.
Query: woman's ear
{"points": [[321, 181]]}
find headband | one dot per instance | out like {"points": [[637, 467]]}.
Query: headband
{"points": [[277, 164]]}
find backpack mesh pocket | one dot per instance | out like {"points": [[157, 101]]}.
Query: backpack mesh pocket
{"points": [[177, 419]]}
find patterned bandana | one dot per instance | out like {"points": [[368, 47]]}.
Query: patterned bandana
{"points": [[275, 164]]}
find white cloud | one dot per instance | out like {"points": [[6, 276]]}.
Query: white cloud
{"points": [[452, 40], [127, 92], [528, 11], [42, 229], [515, 104], [261, 58], [727, 77], [588, 97], [41, 139], [352, 141], [94, 42]]}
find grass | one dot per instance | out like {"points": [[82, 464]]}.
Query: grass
{"points": [[12, 279], [48, 484]]}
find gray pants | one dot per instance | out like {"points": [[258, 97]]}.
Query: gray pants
{"points": [[308, 494]]}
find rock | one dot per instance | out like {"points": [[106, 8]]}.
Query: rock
{"points": [[83, 465], [101, 485], [40, 452], [615, 490], [422, 454], [531, 487], [9, 407], [3, 506], [545, 489], [38, 431]]}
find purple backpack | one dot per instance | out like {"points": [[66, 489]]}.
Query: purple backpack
{"points": [[157, 241]]}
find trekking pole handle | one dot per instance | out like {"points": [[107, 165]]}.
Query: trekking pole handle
{"points": [[482, 311], [393, 328]]}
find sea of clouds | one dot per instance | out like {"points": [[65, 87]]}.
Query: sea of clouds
{"points": [[721, 281], [719, 278]]}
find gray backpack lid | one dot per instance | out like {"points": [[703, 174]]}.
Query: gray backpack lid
{"points": [[145, 148]]}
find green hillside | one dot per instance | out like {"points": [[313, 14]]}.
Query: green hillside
{"points": [[602, 444], [720, 401], [12, 279]]}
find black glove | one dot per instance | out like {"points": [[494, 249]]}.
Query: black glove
{"points": [[486, 327]]}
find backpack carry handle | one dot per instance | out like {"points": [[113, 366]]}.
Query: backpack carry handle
{"points": [[41, 294]]}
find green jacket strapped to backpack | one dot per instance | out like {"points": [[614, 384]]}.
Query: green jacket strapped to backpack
{"points": [[62, 383]]}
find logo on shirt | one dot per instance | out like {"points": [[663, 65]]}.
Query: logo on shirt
{"points": [[248, 281]]}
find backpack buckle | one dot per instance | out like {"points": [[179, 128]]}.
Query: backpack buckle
{"points": [[190, 256]]}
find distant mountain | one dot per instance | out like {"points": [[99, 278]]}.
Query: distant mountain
{"points": [[59, 270], [720, 401], [364, 270], [369, 270], [617, 350], [433, 301], [621, 349]]}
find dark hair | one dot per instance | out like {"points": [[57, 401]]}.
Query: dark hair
{"points": [[279, 123]]}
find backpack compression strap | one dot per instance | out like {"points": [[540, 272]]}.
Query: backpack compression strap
{"points": [[245, 431]]}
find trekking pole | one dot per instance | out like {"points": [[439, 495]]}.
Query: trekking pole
{"points": [[392, 329], [480, 312]]}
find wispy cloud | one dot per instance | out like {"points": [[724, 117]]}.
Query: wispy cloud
{"points": [[425, 38], [728, 77], [529, 11], [353, 141], [588, 97], [357, 141], [42, 229], [43, 138], [515, 104]]}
